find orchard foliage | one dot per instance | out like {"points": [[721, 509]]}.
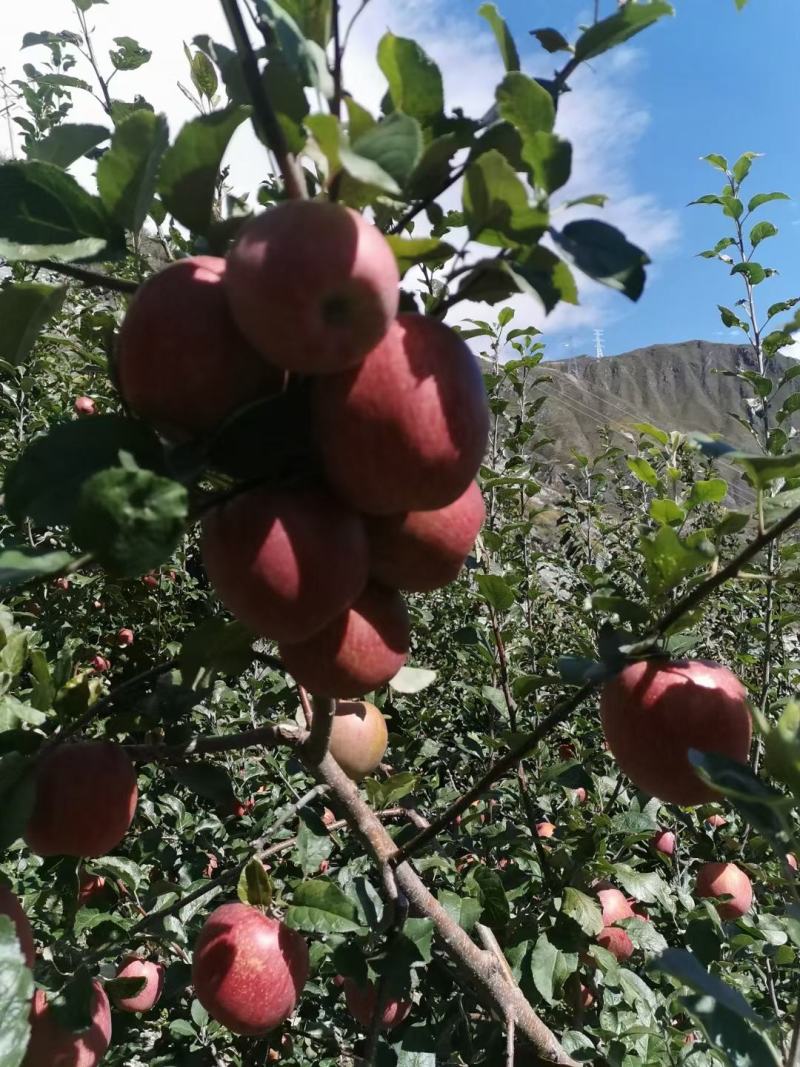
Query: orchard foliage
{"points": [[239, 448]]}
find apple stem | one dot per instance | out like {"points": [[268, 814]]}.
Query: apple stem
{"points": [[262, 105]]}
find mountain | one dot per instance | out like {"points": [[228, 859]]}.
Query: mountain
{"points": [[674, 387]]}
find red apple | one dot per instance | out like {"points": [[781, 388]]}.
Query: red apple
{"points": [[545, 829], [61, 583], [716, 821], [125, 636], [654, 711], [150, 580], [285, 563], [361, 1003], [181, 363], [580, 795], [100, 663], [84, 405], [356, 653], [718, 879], [664, 841], [12, 909], [149, 995], [616, 941], [407, 430], [85, 800], [248, 969], [566, 752], [791, 860], [328, 817], [52, 1045], [614, 905], [312, 285], [424, 550], [89, 886], [586, 997], [358, 738]]}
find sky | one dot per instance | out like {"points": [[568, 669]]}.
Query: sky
{"points": [[711, 79]]}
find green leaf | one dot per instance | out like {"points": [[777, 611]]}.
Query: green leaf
{"points": [[216, 646], [626, 23], [314, 843], [508, 49], [741, 168], [764, 198], [583, 909], [496, 909], [255, 886], [550, 968], [765, 469], [412, 251], [190, 167], [754, 272], [643, 470], [525, 104], [536, 273], [720, 162], [731, 319], [495, 591], [122, 868], [551, 40], [412, 680], [756, 801], [46, 214], [761, 231], [207, 780], [496, 205], [321, 907], [415, 82], [130, 520], [313, 17], [19, 565], [203, 75], [648, 887], [669, 559], [129, 54], [68, 142], [604, 254], [712, 491], [789, 406], [464, 910], [305, 55], [741, 1045], [127, 173], [332, 141], [13, 713], [550, 158], [16, 991], [394, 143], [667, 512], [25, 307], [44, 483]]}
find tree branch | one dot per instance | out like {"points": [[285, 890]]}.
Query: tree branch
{"points": [[262, 105], [264, 737], [94, 278], [316, 744]]}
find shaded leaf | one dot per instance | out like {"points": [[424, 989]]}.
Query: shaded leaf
{"points": [[25, 307]]}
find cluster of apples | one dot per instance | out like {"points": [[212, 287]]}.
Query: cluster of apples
{"points": [[396, 425]]}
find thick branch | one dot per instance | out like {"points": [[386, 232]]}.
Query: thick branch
{"points": [[262, 105], [94, 278], [486, 976], [316, 744]]}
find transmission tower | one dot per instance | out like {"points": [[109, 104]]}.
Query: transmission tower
{"points": [[598, 344]]}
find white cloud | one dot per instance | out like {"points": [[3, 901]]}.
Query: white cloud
{"points": [[603, 116]]}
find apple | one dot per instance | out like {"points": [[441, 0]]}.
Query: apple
{"points": [[100, 663], [586, 997], [285, 563], [424, 550], [181, 363], [89, 886], [579, 795], [248, 969], [149, 995], [406, 430], [328, 817], [125, 636], [356, 653], [545, 829], [613, 904], [791, 860], [716, 821], [84, 405], [85, 800], [12, 909], [654, 711], [312, 285], [358, 737], [61, 583], [616, 941], [718, 879], [150, 580], [664, 841], [566, 752], [361, 1003], [52, 1045]]}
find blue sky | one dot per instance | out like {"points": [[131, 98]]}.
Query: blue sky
{"points": [[710, 80]]}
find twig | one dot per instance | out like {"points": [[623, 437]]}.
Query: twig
{"points": [[264, 737], [262, 105], [336, 102], [305, 704], [316, 744], [89, 53], [94, 278]]}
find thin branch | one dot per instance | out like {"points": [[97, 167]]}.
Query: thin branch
{"points": [[316, 744], [264, 737], [262, 105], [352, 23], [94, 278], [338, 52], [107, 104]]}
